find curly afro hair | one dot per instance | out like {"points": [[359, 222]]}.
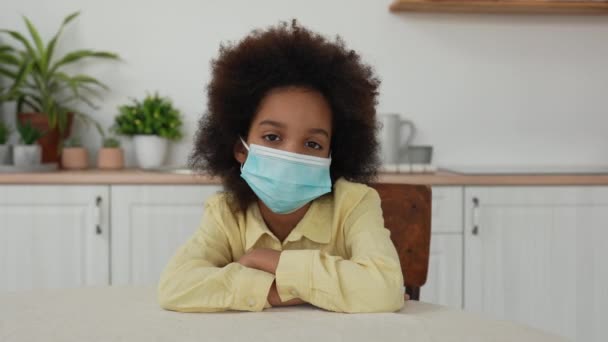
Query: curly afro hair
{"points": [[287, 56]]}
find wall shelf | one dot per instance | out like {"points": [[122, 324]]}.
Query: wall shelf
{"points": [[503, 6]]}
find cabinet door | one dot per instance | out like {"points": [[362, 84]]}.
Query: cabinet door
{"points": [[53, 236], [447, 209], [444, 282], [538, 255], [149, 223]]}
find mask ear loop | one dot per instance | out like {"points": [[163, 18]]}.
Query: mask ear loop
{"points": [[244, 143], [246, 147]]}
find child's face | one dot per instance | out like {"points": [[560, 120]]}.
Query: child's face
{"points": [[291, 119]]}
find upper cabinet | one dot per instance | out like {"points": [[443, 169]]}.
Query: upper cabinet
{"points": [[503, 6]]}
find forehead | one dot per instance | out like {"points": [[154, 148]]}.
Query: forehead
{"points": [[295, 106]]}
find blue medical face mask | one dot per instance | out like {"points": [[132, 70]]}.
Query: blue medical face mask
{"points": [[285, 181]]}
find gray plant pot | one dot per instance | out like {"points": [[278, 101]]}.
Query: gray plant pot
{"points": [[5, 154], [26, 155]]}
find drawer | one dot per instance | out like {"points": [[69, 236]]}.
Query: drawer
{"points": [[447, 209]]}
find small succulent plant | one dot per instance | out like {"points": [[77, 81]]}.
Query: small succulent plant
{"points": [[5, 132], [111, 143], [28, 133], [72, 142]]}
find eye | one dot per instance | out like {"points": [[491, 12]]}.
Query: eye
{"points": [[313, 145], [271, 137]]}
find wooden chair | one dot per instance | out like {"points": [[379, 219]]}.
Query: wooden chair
{"points": [[407, 214]]}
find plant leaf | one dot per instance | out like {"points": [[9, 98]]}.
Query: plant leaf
{"points": [[7, 73], [18, 36], [50, 49], [8, 58], [35, 36], [80, 54]]}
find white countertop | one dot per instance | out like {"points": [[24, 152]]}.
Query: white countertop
{"points": [[441, 177], [527, 169], [132, 314]]}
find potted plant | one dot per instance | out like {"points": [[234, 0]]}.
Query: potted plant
{"points": [[5, 148], [49, 94], [9, 67], [28, 152], [152, 123], [110, 156], [74, 155]]}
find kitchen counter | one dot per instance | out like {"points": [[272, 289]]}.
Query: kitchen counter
{"points": [[138, 176]]}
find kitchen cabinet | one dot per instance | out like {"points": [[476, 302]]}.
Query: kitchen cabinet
{"points": [[444, 281], [51, 239], [537, 255], [53, 236], [532, 254], [149, 223]]}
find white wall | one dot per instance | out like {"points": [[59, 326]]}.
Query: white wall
{"points": [[483, 89]]}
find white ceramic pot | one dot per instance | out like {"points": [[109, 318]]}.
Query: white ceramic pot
{"points": [[150, 150], [5, 154], [25, 155]]}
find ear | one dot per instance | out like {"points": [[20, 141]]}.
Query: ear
{"points": [[240, 152]]}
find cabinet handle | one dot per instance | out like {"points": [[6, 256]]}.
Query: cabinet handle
{"points": [[97, 215], [475, 216]]}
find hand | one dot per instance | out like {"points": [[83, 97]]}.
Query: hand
{"points": [[406, 297], [264, 259], [275, 300]]}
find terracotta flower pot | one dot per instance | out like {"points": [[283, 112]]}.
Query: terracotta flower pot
{"points": [[110, 158], [50, 141], [74, 158]]}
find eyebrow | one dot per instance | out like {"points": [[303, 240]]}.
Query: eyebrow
{"points": [[281, 125], [319, 131], [272, 123]]}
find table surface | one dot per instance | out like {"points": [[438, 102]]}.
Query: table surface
{"points": [[132, 314]]}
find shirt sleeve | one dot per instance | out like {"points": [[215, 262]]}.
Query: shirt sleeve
{"points": [[370, 281], [202, 277]]}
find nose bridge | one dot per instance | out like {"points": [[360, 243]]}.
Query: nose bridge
{"points": [[293, 145]]}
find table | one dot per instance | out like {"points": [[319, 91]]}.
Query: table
{"points": [[132, 314]]}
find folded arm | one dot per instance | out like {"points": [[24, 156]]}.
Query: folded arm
{"points": [[202, 277]]}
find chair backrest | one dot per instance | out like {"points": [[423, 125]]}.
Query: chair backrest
{"points": [[407, 214]]}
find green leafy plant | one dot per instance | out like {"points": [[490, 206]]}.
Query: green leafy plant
{"points": [[155, 115], [10, 68], [111, 143], [72, 142], [28, 133], [43, 85], [5, 132]]}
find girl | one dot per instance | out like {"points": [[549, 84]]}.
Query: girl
{"points": [[290, 130]]}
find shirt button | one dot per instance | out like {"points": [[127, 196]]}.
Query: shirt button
{"points": [[251, 302], [294, 292]]}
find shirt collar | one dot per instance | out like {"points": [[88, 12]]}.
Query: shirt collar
{"points": [[314, 225]]}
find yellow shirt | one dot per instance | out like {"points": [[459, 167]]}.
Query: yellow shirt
{"points": [[339, 257]]}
